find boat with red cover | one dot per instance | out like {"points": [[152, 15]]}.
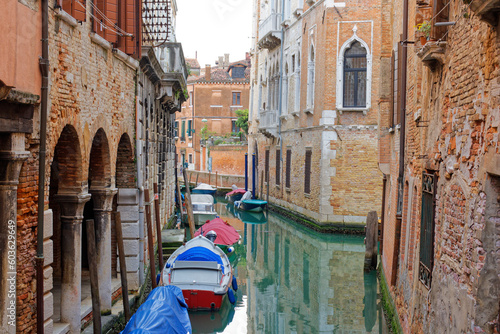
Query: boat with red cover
{"points": [[202, 271], [235, 195], [226, 234]]}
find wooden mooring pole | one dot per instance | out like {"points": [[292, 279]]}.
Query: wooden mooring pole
{"points": [[189, 207], [371, 241], [150, 239], [94, 283], [179, 199], [158, 226], [123, 265]]}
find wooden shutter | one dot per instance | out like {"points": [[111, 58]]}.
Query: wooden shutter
{"points": [[130, 16], [399, 71], [266, 166], [288, 167], [75, 8], [307, 173], [391, 109], [278, 167], [111, 12]]}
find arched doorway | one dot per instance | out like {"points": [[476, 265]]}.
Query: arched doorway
{"points": [[67, 197], [99, 208]]}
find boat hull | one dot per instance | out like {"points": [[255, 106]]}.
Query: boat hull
{"points": [[202, 300], [252, 206], [203, 191], [201, 218]]}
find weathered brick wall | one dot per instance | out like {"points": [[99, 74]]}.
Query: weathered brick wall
{"points": [[228, 159], [458, 140]]}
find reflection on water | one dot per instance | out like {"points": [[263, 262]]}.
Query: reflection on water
{"points": [[293, 280]]}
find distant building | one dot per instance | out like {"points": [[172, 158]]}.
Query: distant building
{"points": [[314, 110], [193, 66], [214, 96]]}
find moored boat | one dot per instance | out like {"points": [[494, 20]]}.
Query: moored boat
{"points": [[204, 188], [164, 311], [203, 208], [202, 271], [235, 195], [248, 204], [249, 217]]}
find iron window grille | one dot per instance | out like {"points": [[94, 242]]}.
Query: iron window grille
{"points": [[429, 187]]}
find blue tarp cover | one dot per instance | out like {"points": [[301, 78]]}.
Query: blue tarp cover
{"points": [[200, 254], [164, 311]]}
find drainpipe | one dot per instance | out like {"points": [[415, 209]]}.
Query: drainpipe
{"points": [[402, 137], [44, 69], [280, 101], [138, 158], [384, 185]]}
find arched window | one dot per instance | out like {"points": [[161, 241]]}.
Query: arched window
{"points": [[310, 79], [355, 66]]}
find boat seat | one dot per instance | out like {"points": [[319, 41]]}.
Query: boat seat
{"points": [[197, 265]]}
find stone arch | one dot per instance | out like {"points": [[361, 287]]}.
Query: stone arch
{"points": [[99, 161], [66, 167], [125, 166]]}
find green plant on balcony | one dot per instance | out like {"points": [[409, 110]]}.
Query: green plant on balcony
{"points": [[425, 29]]}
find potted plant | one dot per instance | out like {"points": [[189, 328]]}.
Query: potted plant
{"points": [[425, 29]]}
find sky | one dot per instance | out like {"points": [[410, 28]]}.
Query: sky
{"points": [[213, 28]]}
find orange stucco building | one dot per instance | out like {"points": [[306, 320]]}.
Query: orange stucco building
{"points": [[214, 97]]}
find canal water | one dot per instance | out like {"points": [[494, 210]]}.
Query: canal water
{"points": [[294, 280]]}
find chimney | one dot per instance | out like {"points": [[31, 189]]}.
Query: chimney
{"points": [[221, 62], [208, 72], [196, 55], [226, 60]]}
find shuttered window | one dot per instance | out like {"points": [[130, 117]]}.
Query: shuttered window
{"points": [[307, 172], [266, 166], [288, 167], [76, 8], [278, 167], [106, 20], [127, 21]]}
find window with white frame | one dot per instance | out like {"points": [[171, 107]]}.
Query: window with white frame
{"points": [[285, 91], [297, 83], [354, 68], [310, 79], [355, 76]]}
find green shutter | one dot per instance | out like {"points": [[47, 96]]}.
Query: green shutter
{"points": [[183, 129]]}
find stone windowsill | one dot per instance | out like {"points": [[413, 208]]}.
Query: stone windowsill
{"points": [[100, 41], [342, 109], [63, 16], [283, 117], [309, 111], [288, 190], [307, 195], [129, 61], [296, 113]]}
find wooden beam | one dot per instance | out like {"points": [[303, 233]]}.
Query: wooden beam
{"points": [[123, 265], [189, 207], [94, 284], [150, 239], [158, 226]]}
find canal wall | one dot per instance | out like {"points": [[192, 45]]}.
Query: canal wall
{"points": [[219, 180]]}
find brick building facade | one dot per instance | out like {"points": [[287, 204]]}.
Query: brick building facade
{"points": [[110, 138], [206, 126], [314, 110], [439, 135]]}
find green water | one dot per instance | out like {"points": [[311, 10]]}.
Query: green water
{"points": [[294, 280]]}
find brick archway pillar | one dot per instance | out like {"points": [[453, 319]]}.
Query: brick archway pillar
{"points": [[71, 257], [12, 156], [103, 205]]}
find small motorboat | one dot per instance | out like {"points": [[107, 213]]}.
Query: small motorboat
{"points": [[202, 271], [205, 189], [235, 195], [203, 208], [248, 204], [249, 217], [164, 311], [225, 234]]}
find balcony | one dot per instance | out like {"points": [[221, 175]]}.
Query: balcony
{"points": [[487, 10], [268, 123], [270, 32]]}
